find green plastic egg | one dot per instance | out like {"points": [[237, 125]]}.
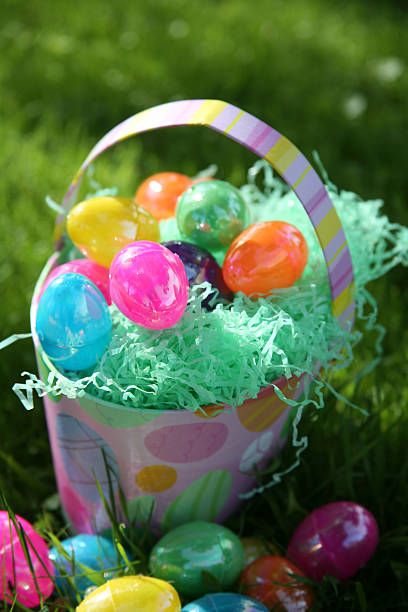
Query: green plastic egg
{"points": [[211, 214], [187, 554]]}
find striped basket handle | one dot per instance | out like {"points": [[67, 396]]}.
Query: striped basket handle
{"points": [[268, 144]]}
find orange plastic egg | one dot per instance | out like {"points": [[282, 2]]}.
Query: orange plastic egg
{"points": [[276, 582], [101, 227], [159, 193], [264, 257]]}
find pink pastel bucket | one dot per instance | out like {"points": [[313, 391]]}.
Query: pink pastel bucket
{"points": [[178, 466]]}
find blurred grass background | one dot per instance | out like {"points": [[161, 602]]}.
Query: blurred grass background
{"points": [[330, 76]]}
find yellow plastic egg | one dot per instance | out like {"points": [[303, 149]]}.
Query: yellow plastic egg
{"points": [[132, 594], [101, 227]]}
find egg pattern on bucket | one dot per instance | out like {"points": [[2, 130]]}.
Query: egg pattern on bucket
{"points": [[156, 478], [83, 453], [202, 500], [141, 508], [260, 413], [186, 443], [256, 452], [171, 472]]}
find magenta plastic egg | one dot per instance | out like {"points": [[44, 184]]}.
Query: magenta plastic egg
{"points": [[14, 567], [148, 283], [99, 275], [334, 540]]}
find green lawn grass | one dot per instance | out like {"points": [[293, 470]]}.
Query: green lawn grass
{"points": [[331, 77]]}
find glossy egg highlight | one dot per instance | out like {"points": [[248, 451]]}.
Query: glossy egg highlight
{"points": [[132, 594], [73, 322], [334, 540], [265, 256], [16, 577], [160, 192], [271, 581], [95, 552], [148, 283], [185, 552], [211, 214], [101, 226]]}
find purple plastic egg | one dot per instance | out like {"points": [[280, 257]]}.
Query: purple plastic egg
{"points": [[148, 283], [16, 576], [99, 275], [334, 540], [201, 266]]}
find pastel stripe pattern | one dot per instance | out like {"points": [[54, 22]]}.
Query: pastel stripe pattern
{"points": [[268, 144]]}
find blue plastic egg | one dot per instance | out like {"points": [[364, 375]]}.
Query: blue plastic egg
{"points": [[96, 552], [224, 602], [73, 322]]}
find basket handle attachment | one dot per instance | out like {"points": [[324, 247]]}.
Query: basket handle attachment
{"points": [[268, 144]]}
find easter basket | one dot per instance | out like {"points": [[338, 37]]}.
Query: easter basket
{"points": [[174, 466]]}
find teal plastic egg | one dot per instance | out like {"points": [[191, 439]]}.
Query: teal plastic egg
{"points": [[187, 553], [224, 602], [211, 214], [95, 552], [73, 322]]}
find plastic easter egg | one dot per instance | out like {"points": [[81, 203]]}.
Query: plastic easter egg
{"points": [[211, 214], [224, 602], [73, 322], [334, 540], [264, 257], [270, 580], [255, 548], [97, 274], [201, 266], [100, 227], [160, 192], [185, 552], [148, 283], [16, 578], [96, 552], [132, 594]]}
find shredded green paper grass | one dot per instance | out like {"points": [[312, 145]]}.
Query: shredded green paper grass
{"points": [[227, 355]]}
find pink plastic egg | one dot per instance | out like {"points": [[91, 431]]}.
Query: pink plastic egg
{"points": [[334, 540], [15, 574], [148, 283], [99, 275]]}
